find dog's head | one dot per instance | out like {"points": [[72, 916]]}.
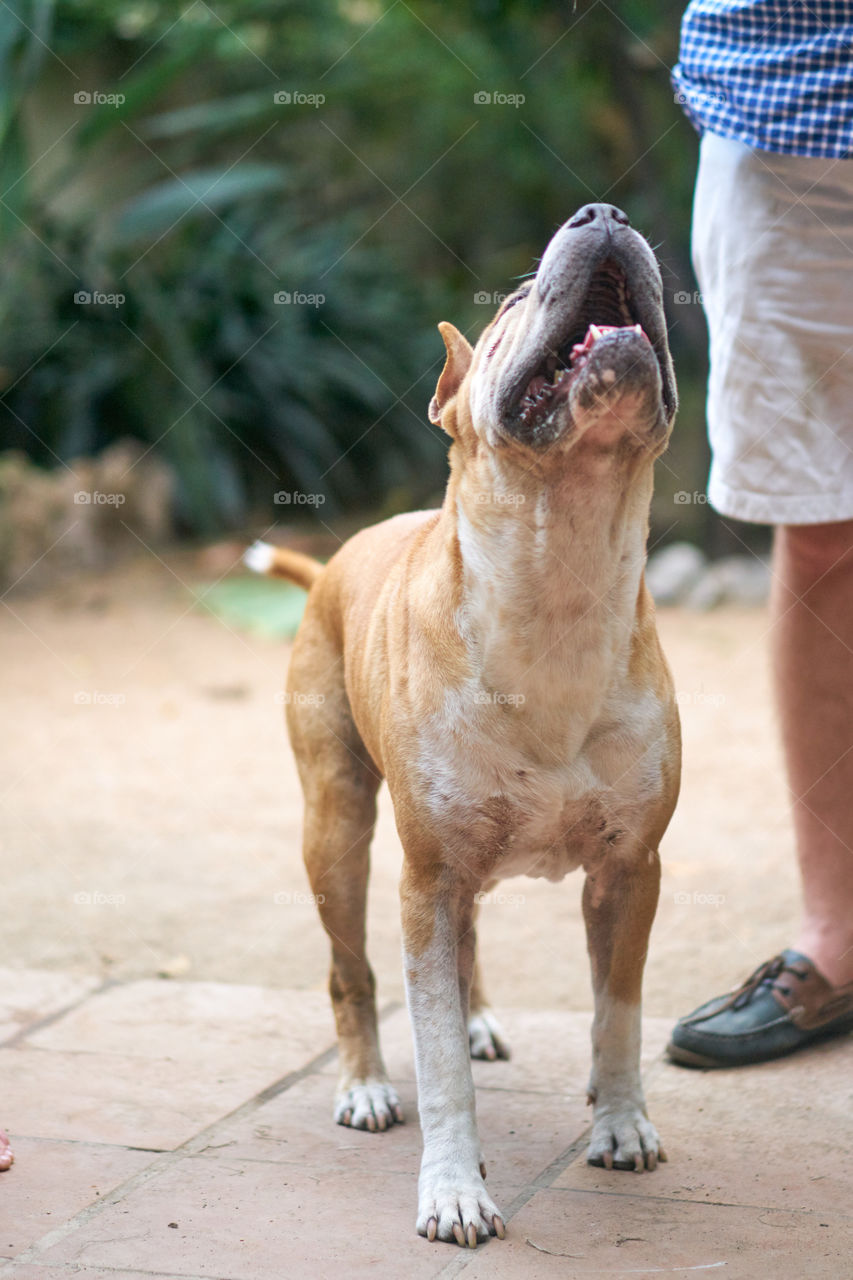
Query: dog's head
{"points": [[580, 349]]}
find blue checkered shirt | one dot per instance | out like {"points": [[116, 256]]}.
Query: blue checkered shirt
{"points": [[775, 74]]}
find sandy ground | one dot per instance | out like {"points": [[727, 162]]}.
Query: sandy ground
{"points": [[150, 818]]}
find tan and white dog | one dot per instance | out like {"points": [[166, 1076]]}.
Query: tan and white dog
{"points": [[497, 662]]}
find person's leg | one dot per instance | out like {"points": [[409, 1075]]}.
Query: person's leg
{"points": [[805, 993], [812, 646]]}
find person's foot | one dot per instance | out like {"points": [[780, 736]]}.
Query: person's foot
{"points": [[7, 1155], [785, 1005]]}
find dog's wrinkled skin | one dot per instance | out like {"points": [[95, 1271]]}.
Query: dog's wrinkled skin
{"points": [[497, 662]]}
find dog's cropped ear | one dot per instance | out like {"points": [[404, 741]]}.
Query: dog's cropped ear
{"points": [[457, 364]]}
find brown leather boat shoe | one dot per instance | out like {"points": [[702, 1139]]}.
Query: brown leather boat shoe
{"points": [[784, 1006]]}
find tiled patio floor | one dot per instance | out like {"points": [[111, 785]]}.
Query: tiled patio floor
{"points": [[169, 1129]]}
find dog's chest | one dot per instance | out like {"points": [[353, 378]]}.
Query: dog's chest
{"points": [[509, 797]]}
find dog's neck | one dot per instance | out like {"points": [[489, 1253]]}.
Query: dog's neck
{"points": [[550, 561]]}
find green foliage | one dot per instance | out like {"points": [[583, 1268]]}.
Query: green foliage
{"points": [[198, 197]]}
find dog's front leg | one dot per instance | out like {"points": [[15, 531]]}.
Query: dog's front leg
{"points": [[453, 1203], [619, 901]]}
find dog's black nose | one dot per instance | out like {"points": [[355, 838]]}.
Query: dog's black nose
{"points": [[602, 213]]}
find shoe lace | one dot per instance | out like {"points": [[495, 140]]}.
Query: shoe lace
{"points": [[766, 975]]}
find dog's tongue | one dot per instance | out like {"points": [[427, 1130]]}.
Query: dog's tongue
{"points": [[540, 385], [596, 331]]}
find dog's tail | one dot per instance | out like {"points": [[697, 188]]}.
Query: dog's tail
{"points": [[278, 562]]}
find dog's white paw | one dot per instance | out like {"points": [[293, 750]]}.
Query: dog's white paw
{"points": [[486, 1036], [624, 1138], [456, 1206], [368, 1104]]}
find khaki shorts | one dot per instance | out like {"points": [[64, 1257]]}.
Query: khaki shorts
{"points": [[773, 253]]}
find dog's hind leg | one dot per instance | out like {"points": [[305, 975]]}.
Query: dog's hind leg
{"points": [[486, 1037], [340, 784]]}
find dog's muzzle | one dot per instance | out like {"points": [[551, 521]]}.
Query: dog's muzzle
{"points": [[590, 324]]}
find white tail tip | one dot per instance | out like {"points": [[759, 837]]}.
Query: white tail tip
{"points": [[259, 557]]}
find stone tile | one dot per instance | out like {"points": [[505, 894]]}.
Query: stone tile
{"points": [[50, 1182], [256, 1221], [766, 1135], [99, 1097], [38, 1271], [564, 1234], [521, 1134], [28, 995], [296, 1128], [550, 1051], [235, 1027]]}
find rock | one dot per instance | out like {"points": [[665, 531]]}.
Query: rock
{"points": [[674, 571], [741, 580], [176, 967], [80, 516]]}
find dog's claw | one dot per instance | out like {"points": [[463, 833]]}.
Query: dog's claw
{"points": [[625, 1139], [483, 1170], [368, 1104], [455, 1206], [498, 1224]]}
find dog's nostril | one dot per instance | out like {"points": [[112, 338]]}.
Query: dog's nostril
{"points": [[583, 216], [594, 212]]}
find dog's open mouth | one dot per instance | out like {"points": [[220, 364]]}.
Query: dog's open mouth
{"points": [[608, 308]]}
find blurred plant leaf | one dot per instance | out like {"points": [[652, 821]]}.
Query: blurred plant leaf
{"points": [[261, 606], [196, 193]]}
